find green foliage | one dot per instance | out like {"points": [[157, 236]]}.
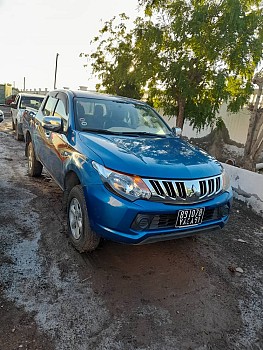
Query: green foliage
{"points": [[190, 55], [113, 61]]}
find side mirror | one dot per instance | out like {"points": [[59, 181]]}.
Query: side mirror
{"points": [[13, 105], [177, 131], [31, 114], [52, 124]]}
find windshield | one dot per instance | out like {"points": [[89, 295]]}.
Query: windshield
{"points": [[32, 102], [118, 117]]}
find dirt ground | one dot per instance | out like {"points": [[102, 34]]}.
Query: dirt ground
{"points": [[197, 293]]}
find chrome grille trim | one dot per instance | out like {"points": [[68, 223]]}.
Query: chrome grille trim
{"points": [[186, 191]]}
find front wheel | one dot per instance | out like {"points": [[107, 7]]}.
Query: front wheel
{"points": [[34, 166], [82, 236]]}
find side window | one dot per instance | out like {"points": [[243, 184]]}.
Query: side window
{"points": [[60, 111], [49, 106]]}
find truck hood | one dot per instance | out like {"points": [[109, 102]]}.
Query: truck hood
{"points": [[167, 158]]}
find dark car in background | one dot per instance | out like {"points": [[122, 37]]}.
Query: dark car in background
{"points": [[10, 99], [2, 117]]}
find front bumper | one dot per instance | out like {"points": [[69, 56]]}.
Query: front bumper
{"points": [[114, 218]]}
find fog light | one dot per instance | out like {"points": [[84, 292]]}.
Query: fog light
{"points": [[224, 211], [141, 222]]}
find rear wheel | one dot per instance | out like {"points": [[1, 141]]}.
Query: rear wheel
{"points": [[82, 236], [34, 166]]}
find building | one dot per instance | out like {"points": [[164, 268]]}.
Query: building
{"points": [[36, 91], [5, 90]]}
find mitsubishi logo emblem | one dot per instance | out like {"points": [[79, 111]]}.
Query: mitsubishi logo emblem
{"points": [[192, 189]]}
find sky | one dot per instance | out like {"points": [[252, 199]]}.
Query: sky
{"points": [[34, 31]]}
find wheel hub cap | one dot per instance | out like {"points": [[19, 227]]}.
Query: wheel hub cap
{"points": [[75, 218]]}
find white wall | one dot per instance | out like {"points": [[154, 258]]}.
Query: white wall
{"points": [[247, 187], [236, 124]]}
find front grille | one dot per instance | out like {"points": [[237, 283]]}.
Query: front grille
{"points": [[145, 221], [169, 220], [187, 191]]}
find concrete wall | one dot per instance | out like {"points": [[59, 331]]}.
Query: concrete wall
{"points": [[236, 123], [247, 187], [36, 91]]}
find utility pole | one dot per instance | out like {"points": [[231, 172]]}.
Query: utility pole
{"points": [[56, 67], [24, 83]]}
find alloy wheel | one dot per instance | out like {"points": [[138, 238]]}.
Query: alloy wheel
{"points": [[75, 219]]}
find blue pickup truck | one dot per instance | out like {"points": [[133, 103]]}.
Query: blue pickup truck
{"points": [[125, 174]]}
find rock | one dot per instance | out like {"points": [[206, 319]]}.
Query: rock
{"points": [[241, 240], [231, 268], [239, 269]]}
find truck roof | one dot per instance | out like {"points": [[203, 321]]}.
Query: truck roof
{"points": [[98, 95], [30, 95]]}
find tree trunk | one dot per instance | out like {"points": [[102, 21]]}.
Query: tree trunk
{"points": [[180, 117], [252, 121], [254, 142], [258, 137], [258, 152]]}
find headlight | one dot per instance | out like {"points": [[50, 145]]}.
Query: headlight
{"points": [[128, 186], [226, 180]]}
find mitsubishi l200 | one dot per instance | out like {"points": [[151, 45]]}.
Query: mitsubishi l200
{"points": [[125, 174]]}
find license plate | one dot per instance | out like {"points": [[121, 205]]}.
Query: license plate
{"points": [[190, 217]]}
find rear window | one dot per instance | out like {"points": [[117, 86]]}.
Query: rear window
{"points": [[32, 102]]}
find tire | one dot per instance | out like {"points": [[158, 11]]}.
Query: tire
{"points": [[34, 166], [83, 238], [18, 136], [13, 124]]}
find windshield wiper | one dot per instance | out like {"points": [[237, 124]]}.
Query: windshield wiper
{"points": [[125, 133], [100, 131], [143, 133]]}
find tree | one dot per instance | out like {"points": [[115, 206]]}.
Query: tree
{"points": [[113, 59], [189, 55], [254, 142]]}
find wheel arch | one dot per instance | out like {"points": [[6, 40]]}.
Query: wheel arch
{"points": [[71, 180]]}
